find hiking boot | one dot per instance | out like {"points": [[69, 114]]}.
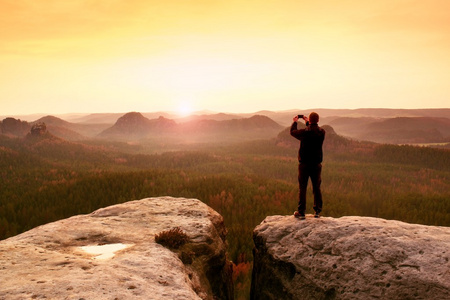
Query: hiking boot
{"points": [[299, 215], [317, 215]]}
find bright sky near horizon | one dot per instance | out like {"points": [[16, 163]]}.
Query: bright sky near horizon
{"points": [[230, 56]]}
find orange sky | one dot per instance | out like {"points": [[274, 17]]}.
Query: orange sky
{"points": [[232, 56]]}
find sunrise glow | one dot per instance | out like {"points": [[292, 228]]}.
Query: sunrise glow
{"points": [[184, 108], [241, 56]]}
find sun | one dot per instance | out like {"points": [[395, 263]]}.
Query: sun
{"points": [[184, 109]]}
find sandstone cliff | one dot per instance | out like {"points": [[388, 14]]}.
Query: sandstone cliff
{"points": [[349, 258], [59, 260]]}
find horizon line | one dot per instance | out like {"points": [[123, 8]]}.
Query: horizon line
{"points": [[208, 111]]}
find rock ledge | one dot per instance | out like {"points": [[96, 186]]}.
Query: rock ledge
{"points": [[349, 258], [48, 261]]}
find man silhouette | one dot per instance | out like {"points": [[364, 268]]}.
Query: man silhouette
{"points": [[310, 157]]}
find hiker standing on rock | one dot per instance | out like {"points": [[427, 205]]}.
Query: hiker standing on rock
{"points": [[310, 157]]}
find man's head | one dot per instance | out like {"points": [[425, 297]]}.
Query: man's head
{"points": [[313, 118]]}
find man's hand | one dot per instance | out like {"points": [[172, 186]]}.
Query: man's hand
{"points": [[295, 119]]}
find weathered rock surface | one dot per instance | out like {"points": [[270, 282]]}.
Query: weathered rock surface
{"points": [[48, 261], [349, 258]]}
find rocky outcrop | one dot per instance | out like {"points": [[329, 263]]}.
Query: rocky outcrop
{"points": [[14, 128], [349, 258], [38, 129], [111, 254]]}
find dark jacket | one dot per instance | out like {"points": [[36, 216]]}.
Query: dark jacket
{"points": [[311, 141]]}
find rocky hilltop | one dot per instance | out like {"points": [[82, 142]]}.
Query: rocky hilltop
{"points": [[12, 127], [112, 254], [349, 258]]}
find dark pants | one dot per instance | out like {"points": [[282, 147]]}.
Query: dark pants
{"points": [[312, 171]]}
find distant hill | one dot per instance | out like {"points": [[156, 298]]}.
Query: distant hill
{"points": [[351, 126], [71, 131], [229, 130], [14, 128], [49, 151], [51, 120], [134, 125], [60, 128], [409, 130], [228, 126], [400, 130]]}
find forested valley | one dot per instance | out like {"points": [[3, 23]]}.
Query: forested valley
{"points": [[45, 179]]}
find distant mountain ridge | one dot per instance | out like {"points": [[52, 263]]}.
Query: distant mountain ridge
{"points": [[399, 130], [327, 115], [135, 126], [395, 126]]}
